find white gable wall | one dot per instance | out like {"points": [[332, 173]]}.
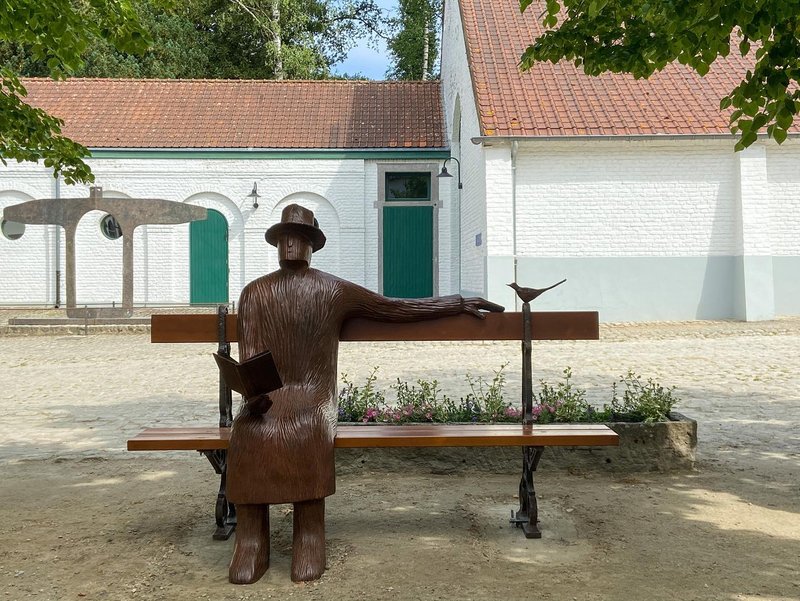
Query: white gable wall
{"points": [[459, 101], [643, 229]]}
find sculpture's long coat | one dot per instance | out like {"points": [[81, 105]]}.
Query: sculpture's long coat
{"points": [[286, 455]]}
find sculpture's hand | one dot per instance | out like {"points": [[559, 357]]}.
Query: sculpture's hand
{"points": [[259, 405], [475, 305]]}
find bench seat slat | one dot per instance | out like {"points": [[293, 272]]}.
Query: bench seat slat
{"points": [[478, 435], [417, 435], [180, 439]]}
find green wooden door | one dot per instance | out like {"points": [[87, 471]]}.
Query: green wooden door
{"points": [[407, 251], [208, 259]]}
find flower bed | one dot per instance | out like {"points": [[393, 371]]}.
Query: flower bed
{"points": [[637, 401], [652, 436]]}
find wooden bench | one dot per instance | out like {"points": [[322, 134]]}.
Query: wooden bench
{"points": [[213, 441]]}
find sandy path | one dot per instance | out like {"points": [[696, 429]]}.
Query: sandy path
{"points": [[82, 519]]}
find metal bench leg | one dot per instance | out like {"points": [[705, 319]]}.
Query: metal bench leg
{"points": [[527, 517], [224, 512]]}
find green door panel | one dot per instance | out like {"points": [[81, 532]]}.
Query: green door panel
{"points": [[208, 259], [408, 251]]}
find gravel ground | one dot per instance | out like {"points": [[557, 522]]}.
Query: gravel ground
{"points": [[82, 518]]}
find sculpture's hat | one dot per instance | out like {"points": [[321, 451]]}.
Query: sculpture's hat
{"points": [[297, 220]]}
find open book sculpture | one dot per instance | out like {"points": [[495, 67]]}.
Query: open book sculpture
{"points": [[254, 379]]}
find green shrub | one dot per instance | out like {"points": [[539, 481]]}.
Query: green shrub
{"points": [[485, 401], [360, 403], [414, 404], [563, 402], [425, 402], [641, 402]]}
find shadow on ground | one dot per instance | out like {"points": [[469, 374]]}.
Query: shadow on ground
{"points": [[117, 529]]}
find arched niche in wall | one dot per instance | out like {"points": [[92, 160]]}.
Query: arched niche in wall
{"points": [[326, 259], [11, 230], [223, 205], [98, 260], [98, 256], [26, 263]]}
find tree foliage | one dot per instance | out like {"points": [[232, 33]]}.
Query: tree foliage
{"points": [[643, 36], [55, 33], [239, 39], [414, 45], [236, 39]]}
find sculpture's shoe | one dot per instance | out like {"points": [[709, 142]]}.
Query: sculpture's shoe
{"points": [[251, 549], [308, 544]]}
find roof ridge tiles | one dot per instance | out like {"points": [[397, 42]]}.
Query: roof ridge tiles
{"points": [[391, 82]]}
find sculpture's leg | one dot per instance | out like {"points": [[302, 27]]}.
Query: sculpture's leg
{"points": [[308, 544], [251, 549]]}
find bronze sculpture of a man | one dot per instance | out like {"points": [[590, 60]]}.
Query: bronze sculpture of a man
{"points": [[284, 453]]}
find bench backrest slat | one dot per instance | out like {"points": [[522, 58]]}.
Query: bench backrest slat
{"points": [[556, 325]]}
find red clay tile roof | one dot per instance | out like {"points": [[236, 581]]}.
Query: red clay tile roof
{"points": [[560, 100], [127, 113]]}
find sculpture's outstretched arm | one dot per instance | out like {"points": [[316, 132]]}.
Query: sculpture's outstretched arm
{"points": [[477, 304], [365, 303]]}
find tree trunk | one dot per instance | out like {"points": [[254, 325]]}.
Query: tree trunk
{"points": [[276, 39], [426, 50]]}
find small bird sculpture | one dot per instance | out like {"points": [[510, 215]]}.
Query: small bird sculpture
{"points": [[526, 295]]}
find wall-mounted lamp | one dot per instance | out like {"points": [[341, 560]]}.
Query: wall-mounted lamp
{"points": [[444, 172], [254, 195]]}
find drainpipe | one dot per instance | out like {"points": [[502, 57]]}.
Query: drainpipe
{"points": [[58, 248], [514, 150]]}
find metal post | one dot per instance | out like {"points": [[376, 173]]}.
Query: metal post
{"points": [[224, 349], [58, 249], [527, 368], [225, 512], [527, 516]]}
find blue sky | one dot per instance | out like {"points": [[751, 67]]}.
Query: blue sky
{"points": [[364, 60]]}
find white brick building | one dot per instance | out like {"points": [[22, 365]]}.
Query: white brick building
{"points": [[322, 154], [631, 190]]}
